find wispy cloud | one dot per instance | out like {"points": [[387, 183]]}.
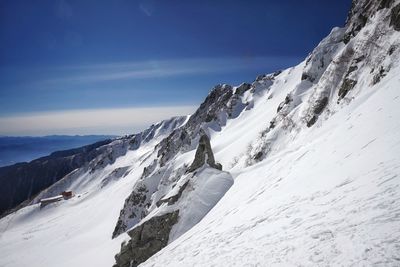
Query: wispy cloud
{"points": [[146, 10], [92, 121], [63, 9], [165, 68]]}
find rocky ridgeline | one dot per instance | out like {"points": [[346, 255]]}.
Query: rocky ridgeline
{"points": [[96, 157], [335, 71], [332, 75], [153, 233], [222, 103], [217, 106]]}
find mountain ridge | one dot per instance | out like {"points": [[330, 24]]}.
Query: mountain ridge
{"points": [[309, 171]]}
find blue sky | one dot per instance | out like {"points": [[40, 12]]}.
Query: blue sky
{"points": [[64, 57]]}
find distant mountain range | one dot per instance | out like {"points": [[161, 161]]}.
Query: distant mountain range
{"points": [[26, 148], [21, 181]]}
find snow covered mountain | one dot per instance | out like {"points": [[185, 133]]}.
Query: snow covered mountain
{"points": [[299, 168]]}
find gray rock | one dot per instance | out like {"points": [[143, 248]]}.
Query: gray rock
{"points": [[395, 18], [318, 107], [204, 150], [347, 85], [146, 240], [133, 209], [378, 76], [172, 200], [217, 101], [242, 88]]}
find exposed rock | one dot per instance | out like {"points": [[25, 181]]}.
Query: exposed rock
{"points": [[242, 88], [347, 85], [312, 121], [361, 10], [319, 106], [268, 76], [357, 18], [204, 150], [378, 77], [305, 77], [395, 18], [149, 169], [272, 124], [392, 49], [146, 240], [172, 200], [385, 4], [322, 56], [287, 100], [216, 102], [258, 156], [132, 209]]}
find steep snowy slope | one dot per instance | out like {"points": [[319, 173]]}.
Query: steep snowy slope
{"points": [[77, 232], [318, 191], [310, 172], [331, 198]]}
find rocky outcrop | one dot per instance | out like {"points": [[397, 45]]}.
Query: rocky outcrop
{"points": [[173, 199], [204, 154], [215, 103], [319, 106], [133, 209], [395, 18], [191, 197], [362, 10], [146, 194], [146, 240]]}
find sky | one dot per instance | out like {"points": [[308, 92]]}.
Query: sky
{"points": [[116, 67]]}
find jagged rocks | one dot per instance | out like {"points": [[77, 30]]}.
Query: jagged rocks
{"points": [[395, 18], [215, 103], [173, 199], [288, 99], [321, 57], [378, 76], [131, 211], [347, 85], [204, 151], [385, 4], [242, 88], [146, 240], [319, 106], [361, 10]]}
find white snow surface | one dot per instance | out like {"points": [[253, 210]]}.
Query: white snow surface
{"points": [[330, 199], [74, 232], [202, 192], [327, 195]]}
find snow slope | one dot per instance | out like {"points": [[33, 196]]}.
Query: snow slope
{"points": [[310, 176], [77, 232], [331, 198]]}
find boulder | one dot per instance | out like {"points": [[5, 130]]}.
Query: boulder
{"points": [[204, 151], [146, 240]]}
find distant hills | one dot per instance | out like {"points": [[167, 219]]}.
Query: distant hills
{"points": [[26, 148]]}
